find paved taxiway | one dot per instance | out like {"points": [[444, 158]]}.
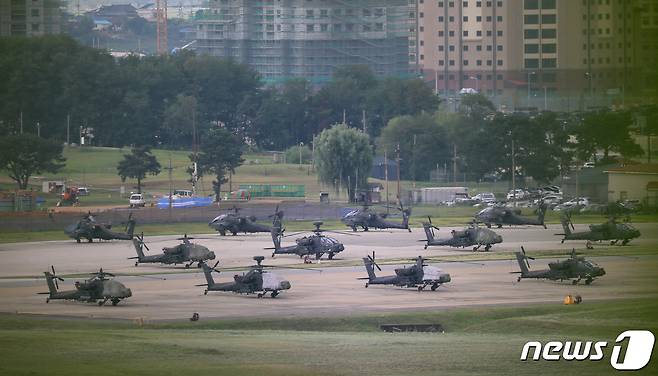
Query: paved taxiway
{"points": [[334, 291]]}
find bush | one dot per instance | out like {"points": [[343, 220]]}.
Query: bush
{"points": [[292, 154]]}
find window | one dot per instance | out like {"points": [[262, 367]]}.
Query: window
{"points": [[531, 4], [440, 33], [478, 62], [440, 18], [499, 62], [441, 62], [549, 33], [531, 48], [531, 19], [451, 48], [478, 4], [531, 63], [547, 4], [499, 33], [478, 48], [499, 18], [465, 4], [478, 33], [548, 63], [465, 18], [465, 33], [499, 47], [440, 47], [465, 48], [452, 62], [465, 62], [451, 33], [548, 48], [310, 27], [548, 18], [451, 19], [34, 13], [478, 18], [489, 48], [488, 63]]}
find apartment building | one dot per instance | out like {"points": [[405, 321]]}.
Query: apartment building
{"points": [[29, 17]]}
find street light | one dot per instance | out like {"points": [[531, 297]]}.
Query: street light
{"points": [[529, 74], [477, 83], [301, 145]]}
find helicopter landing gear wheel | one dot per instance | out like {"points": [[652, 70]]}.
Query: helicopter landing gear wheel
{"points": [[589, 245], [198, 265], [367, 284], [274, 294], [48, 299], [425, 246], [420, 288], [331, 256], [574, 282], [625, 241], [136, 264], [90, 240], [222, 232], [318, 256], [488, 225], [234, 233], [365, 229], [518, 279], [487, 247], [77, 240], [260, 295], [435, 286], [115, 301], [187, 266], [205, 292], [588, 281], [354, 228], [499, 226]]}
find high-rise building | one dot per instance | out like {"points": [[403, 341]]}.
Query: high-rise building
{"points": [[285, 39], [29, 17], [555, 54]]}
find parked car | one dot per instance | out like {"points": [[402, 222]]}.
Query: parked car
{"points": [[551, 200], [83, 191], [136, 200], [485, 197], [519, 193], [575, 203], [589, 165]]}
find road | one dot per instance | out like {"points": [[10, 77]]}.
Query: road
{"points": [[169, 292]]}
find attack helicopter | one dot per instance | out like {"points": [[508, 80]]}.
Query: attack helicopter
{"points": [[97, 288], [418, 275], [367, 219], [610, 230], [472, 235], [90, 229], [256, 280], [500, 215], [317, 244], [185, 253], [574, 268], [235, 223]]}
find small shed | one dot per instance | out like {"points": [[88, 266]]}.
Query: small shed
{"points": [[633, 182]]}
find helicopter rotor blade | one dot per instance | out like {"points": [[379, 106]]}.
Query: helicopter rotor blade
{"points": [[372, 259], [288, 267]]}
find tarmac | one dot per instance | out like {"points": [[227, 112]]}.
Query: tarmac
{"points": [[163, 292]]}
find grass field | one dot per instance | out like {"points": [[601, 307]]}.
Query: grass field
{"points": [[478, 341], [95, 167]]}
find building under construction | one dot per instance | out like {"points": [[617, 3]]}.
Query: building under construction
{"points": [[286, 39], [30, 17]]}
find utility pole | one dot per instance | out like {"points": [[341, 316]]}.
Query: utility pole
{"points": [[386, 176], [397, 160], [161, 27], [38, 129], [344, 117], [413, 162], [68, 129], [171, 186], [513, 172], [365, 127], [21, 122], [454, 164]]}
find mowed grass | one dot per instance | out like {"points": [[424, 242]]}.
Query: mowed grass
{"points": [[478, 341]]}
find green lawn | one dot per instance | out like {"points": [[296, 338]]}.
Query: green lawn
{"points": [[478, 341]]}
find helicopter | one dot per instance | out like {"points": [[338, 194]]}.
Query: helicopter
{"points": [[418, 275], [472, 235], [89, 229], [366, 219], [574, 268], [500, 215], [97, 288], [185, 253], [317, 244], [610, 230], [234, 223], [256, 280]]}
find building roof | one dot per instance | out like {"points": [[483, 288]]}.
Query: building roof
{"points": [[644, 168]]}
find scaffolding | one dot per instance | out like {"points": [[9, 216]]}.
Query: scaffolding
{"points": [[309, 39]]}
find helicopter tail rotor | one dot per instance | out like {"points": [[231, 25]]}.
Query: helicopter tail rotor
{"points": [[55, 276], [372, 259], [526, 257]]}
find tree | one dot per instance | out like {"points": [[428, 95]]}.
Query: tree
{"points": [[180, 119], [343, 158], [220, 153], [423, 144], [137, 165], [26, 154], [608, 131]]}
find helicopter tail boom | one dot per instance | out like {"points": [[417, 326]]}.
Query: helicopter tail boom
{"points": [[50, 280], [369, 268]]}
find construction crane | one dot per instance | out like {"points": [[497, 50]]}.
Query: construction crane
{"points": [[161, 27]]}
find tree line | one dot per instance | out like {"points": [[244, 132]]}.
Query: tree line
{"points": [[165, 101]]}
